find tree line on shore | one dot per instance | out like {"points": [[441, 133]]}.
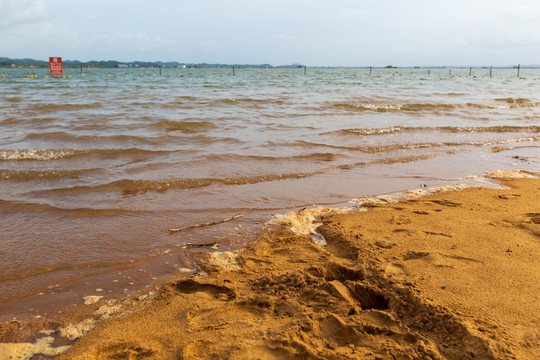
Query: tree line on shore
{"points": [[8, 62]]}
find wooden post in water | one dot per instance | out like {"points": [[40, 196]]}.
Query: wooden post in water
{"points": [[81, 70], [470, 71], [450, 72], [160, 70], [518, 70], [491, 71], [370, 69], [305, 69]]}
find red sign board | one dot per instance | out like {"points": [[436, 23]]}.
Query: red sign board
{"points": [[55, 66]]}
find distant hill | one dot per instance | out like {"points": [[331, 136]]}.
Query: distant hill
{"points": [[7, 62]]}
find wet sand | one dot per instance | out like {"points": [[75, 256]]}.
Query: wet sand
{"points": [[452, 275]]}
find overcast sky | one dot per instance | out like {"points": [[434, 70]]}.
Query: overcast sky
{"points": [[278, 32]]}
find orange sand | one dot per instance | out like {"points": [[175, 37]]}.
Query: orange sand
{"points": [[449, 276]]}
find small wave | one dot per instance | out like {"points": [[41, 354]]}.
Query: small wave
{"points": [[34, 174], [370, 131], [390, 161], [187, 127], [251, 102], [54, 154], [494, 129], [419, 107], [508, 141], [398, 107], [66, 137], [42, 155], [64, 107], [451, 129], [133, 187], [19, 120], [313, 156], [379, 148], [514, 101], [18, 206], [505, 106]]}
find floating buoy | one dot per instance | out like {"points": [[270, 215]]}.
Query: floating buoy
{"points": [[394, 74], [69, 76], [108, 75], [3, 76], [125, 75]]}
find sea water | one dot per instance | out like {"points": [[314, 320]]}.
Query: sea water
{"points": [[95, 168]]}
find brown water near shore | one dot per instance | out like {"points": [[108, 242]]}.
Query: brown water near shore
{"points": [[451, 275]]}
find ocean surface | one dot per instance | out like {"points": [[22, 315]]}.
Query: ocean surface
{"points": [[95, 169]]}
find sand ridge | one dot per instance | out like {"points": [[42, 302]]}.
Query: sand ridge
{"points": [[453, 275]]}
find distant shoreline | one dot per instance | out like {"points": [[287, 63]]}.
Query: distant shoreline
{"points": [[107, 64]]}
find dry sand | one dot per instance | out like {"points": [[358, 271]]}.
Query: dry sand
{"points": [[449, 276]]}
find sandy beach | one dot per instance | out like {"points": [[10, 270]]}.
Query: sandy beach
{"points": [[452, 275]]}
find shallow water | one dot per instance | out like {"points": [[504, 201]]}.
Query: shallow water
{"points": [[95, 169]]}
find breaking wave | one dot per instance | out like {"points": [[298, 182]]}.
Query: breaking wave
{"points": [[420, 107]]}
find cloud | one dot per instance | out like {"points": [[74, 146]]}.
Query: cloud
{"points": [[14, 13], [211, 45], [125, 44], [124, 37]]}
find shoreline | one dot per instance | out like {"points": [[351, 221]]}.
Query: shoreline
{"points": [[366, 294]]}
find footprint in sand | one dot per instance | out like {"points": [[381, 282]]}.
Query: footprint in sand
{"points": [[209, 290], [534, 217], [396, 270]]}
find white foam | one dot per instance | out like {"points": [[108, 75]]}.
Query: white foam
{"points": [[90, 300], [511, 174], [306, 221], [34, 154], [415, 193], [76, 331], [106, 311], [25, 351], [446, 188], [225, 259]]}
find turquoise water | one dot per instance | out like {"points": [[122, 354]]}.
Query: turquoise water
{"points": [[95, 169]]}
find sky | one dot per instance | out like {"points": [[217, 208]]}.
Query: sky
{"points": [[277, 32]]}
